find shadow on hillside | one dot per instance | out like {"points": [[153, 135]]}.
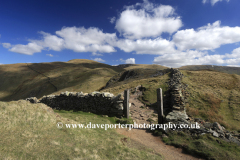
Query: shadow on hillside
{"points": [[21, 81]]}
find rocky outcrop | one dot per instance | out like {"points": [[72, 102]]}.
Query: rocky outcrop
{"points": [[104, 103]]}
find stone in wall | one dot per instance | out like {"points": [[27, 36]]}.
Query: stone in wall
{"points": [[96, 102], [178, 92]]}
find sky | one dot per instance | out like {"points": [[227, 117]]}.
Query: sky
{"points": [[171, 33]]}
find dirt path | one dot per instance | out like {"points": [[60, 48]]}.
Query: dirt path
{"points": [[140, 114]]}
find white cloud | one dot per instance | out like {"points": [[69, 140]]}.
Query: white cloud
{"points": [[1, 63], [86, 40], [233, 65], [213, 1], [6, 45], [73, 38], [112, 20], [235, 53], [207, 37], [99, 60], [146, 46], [128, 61], [194, 57], [50, 55], [52, 42], [28, 49], [149, 21], [96, 54]]}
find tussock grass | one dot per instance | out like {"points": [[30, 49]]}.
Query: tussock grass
{"points": [[28, 131]]}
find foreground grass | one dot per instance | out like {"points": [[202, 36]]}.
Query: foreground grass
{"points": [[28, 131], [205, 146]]}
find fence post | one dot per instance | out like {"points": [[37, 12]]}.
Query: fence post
{"points": [[126, 103], [160, 105]]}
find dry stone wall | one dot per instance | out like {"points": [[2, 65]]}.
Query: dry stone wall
{"points": [[104, 103], [178, 115], [178, 91]]}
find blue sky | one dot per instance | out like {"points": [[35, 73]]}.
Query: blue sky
{"points": [[172, 33]]}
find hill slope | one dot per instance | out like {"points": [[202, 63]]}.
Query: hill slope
{"points": [[19, 81], [225, 69]]}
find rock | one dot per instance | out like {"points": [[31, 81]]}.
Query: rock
{"points": [[176, 115], [217, 126], [208, 125], [114, 99], [215, 134], [164, 136], [32, 100]]}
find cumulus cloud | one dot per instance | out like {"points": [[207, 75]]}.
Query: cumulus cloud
{"points": [[28, 49], [73, 38], [51, 42], [6, 45], [50, 55], [146, 46], [207, 37], [128, 61], [213, 1], [149, 21], [194, 57], [86, 40], [99, 60]]}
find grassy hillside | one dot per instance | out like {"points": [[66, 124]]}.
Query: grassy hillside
{"points": [[145, 66], [224, 69], [19, 81], [28, 131], [214, 96]]}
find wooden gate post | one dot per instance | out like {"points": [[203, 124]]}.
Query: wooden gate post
{"points": [[126, 103], [160, 105]]}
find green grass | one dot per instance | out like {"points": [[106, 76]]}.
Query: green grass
{"points": [[214, 96], [18, 81], [28, 131], [205, 146]]}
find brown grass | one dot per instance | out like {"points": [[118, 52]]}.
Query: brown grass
{"points": [[28, 131], [146, 66], [213, 96], [18, 81]]}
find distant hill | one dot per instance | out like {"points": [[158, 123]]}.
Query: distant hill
{"points": [[19, 81], [225, 69], [143, 66]]}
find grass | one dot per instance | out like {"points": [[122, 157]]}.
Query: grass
{"points": [[146, 66], [28, 131], [214, 96], [18, 81], [224, 69], [150, 84], [205, 146]]}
